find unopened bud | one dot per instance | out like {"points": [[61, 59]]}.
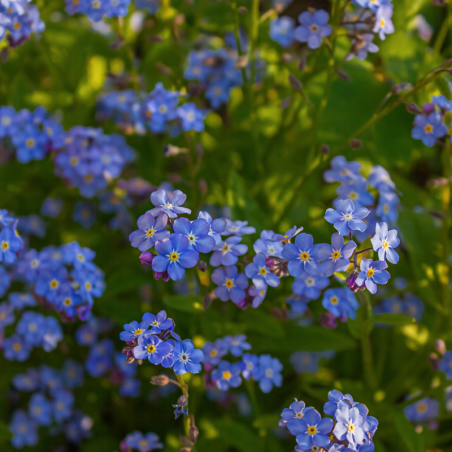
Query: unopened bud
{"points": [[193, 433], [242, 61], [356, 144], [182, 401], [202, 185], [206, 301], [302, 64], [242, 10], [440, 182], [295, 83], [160, 380], [185, 441], [413, 108], [324, 149], [165, 70], [199, 149], [439, 2], [174, 178], [440, 346], [311, 10], [185, 449], [202, 266], [434, 361], [397, 89], [428, 108], [146, 258], [343, 75], [285, 103]]}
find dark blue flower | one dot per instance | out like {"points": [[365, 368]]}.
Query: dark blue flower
{"points": [[158, 323], [67, 300], [346, 219], [301, 255], [15, 348], [429, 128], [5, 281], [30, 144], [6, 315], [423, 410], [356, 191], [230, 283], [342, 171], [32, 327], [214, 352], [5, 220], [372, 273], [197, 233], [133, 330], [63, 402], [268, 373], [336, 256], [9, 245], [192, 117], [297, 410], [446, 364], [150, 230], [174, 256], [227, 375], [312, 430], [152, 348], [24, 430], [340, 302], [238, 228], [387, 207], [148, 442], [40, 409]]}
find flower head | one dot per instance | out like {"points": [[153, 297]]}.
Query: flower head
{"points": [[150, 231], [372, 273], [169, 204], [230, 283], [227, 375], [346, 219], [384, 242], [336, 256], [227, 252], [301, 255], [313, 28], [187, 358]]}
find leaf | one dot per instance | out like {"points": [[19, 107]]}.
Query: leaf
{"points": [[5, 433], [412, 440], [268, 421], [237, 435], [262, 322], [185, 303], [393, 319]]}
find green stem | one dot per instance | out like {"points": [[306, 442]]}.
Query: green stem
{"points": [[369, 370], [184, 388], [237, 34]]}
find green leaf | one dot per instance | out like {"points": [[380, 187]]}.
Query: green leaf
{"points": [[393, 319], [412, 440], [266, 422], [185, 303], [5, 433], [262, 322]]}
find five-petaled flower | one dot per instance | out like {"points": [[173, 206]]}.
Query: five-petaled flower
{"points": [[346, 219], [372, 273]]}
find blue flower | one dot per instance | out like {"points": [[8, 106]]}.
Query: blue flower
{"points": [[423, 410], [67, 300], [50, 281], [346, 219], [313, 28], [117, 8], [51, 207], [258, 271], [442, 102], [361, 46], [372, 273], [301, 255], [282, 30], [216, 227], [383, 22], [197, 233], [187, 358], [40, 409], [238, 228], [90, 283], [152, 348], [149, 231], [268, 247], [52, 334], [26, 382], [148, 442], [214, 352], [227, 375], [133, 330], [429, 128], [384, 242], [32, 327], [174, 256], [413, 306], [336, 256], [349, 425], [5, 220], [218, 93], [380, 179], [308, 362], [227, 252], [158, 323], [268, 373], [168, 204], [30, 144], [24, 430], [33, 225], [130, 387], [310, 285], [6, 315], [298, 304], [335, 397], [340, 302], [63, 402], [192, 117], [5, 281], [72, 373], [387, 207], [297, 410], [356, 191], [230, 283], [8, 125], [94, 9], [250, 366], [80, 258], [312, 430], [342, 171], [9, 245], [85, 214], [446, 365], [15, 348], [237, 344]]}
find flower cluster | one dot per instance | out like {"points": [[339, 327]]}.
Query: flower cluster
{"points": [[11, 243], [138, 441], [103, 361], [373, 17], [408, 304], [264, 369], [150, 339], [350, 429], [158, 112], [18, 19], [50, 405], [429, 124]]}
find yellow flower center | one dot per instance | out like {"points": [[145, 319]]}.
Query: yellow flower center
{"points": [[150, 232], [385, 245], [304, 256], [89, 178], [353, 195], [138, 332], [334, 300], [385, 208], [88, 286], [382, 22], [370, 272], [422, 408], [30, 143], [350, 428], [73, 161], [263, 271], [150, 348], [5, 246], [428, 128], [17, 26], [143, 443], [336, 255], [227, 375], [54, 284], [2, 316], [226, 248], [17, 347], [173, 257], [312, 430], [262, 292], [229, 283], [67, 302], [32, 327], [213, 353]]}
